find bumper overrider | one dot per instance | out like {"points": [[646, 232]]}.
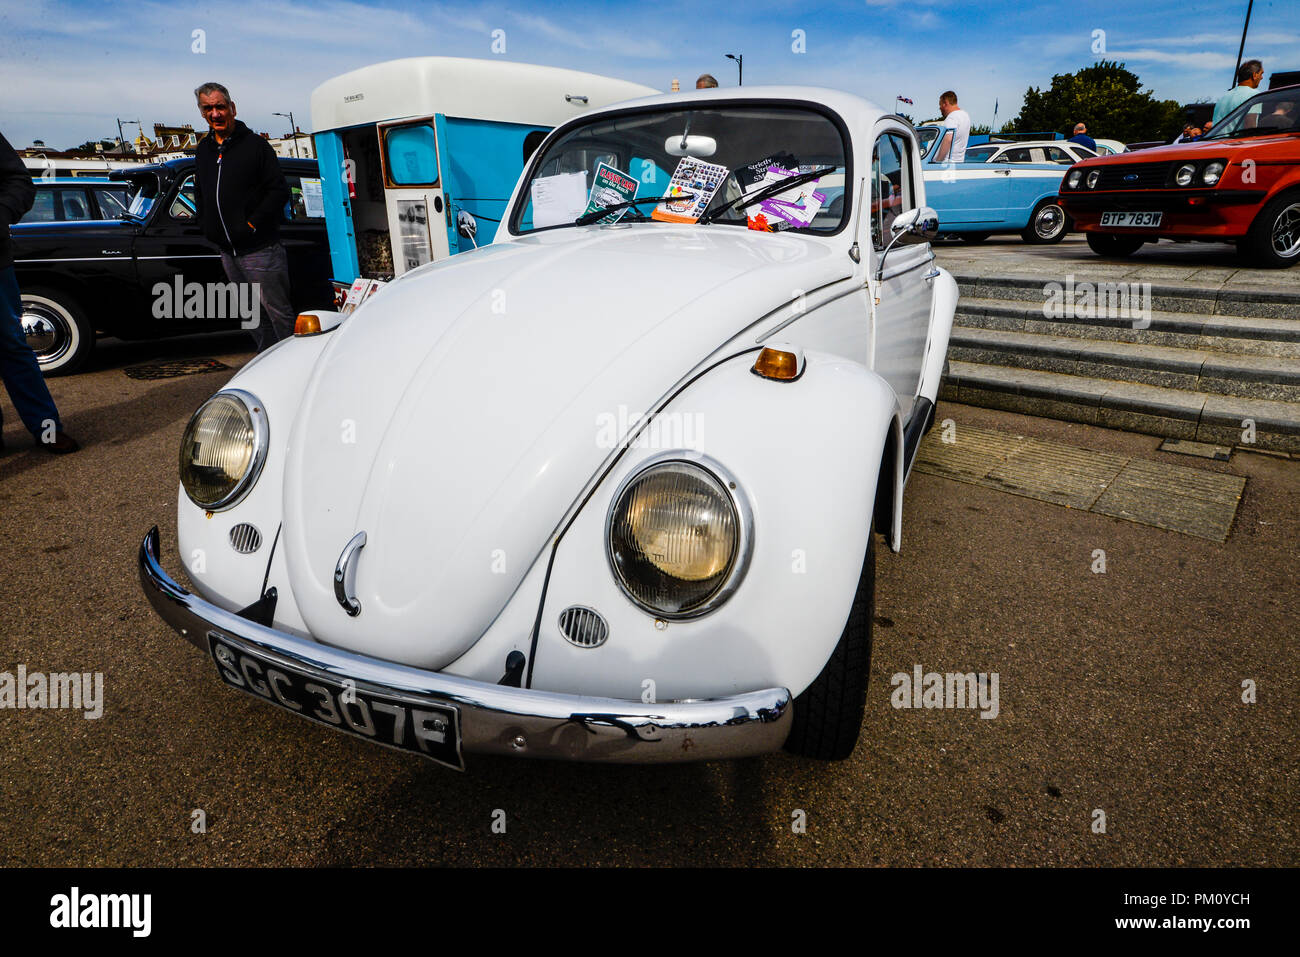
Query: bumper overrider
{"points": [[441, 716]]}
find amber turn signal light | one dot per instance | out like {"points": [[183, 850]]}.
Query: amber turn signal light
{"points": [[777, 363], [306, 325]]}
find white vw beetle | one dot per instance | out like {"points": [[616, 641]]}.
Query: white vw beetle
{"points": [[604, 489]]}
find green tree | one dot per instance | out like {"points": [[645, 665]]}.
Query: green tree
{"points": [[1107, 97]]}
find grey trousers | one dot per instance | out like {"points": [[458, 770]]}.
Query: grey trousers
{"points": [[269, 268]]}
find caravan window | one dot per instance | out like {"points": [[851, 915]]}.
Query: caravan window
{"points": [[411, 155]]}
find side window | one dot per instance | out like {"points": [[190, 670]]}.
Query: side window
{"points": [[183, 205], [892, 192], [1057, 155], [1017, 156], [306, 201], [74, 205], [42, 210], [113, 203], [411, 155]]}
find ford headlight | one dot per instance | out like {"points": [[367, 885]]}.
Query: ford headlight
{"points": [[1073, 180], [223, 449], [1212, 173], [679, 536], [1093, 177], [1184, 175]]}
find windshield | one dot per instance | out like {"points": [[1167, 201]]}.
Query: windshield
{"points": [[927, 135], [691, 164], [1275, 111]]}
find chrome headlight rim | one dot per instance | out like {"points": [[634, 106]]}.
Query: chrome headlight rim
{"points": [[743, 512], [1185, 180], [261, 439]]}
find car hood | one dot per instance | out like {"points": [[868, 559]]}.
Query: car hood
{"points": [[1287, 143], [459, 413]]}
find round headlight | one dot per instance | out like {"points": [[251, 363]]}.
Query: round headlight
{"points": [[1212, 173], [1073, 180], [1184, 175], [223, 449], [678, 538], [1093, 177]]}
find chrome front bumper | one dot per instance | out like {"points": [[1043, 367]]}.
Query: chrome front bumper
{"points": [[495, 719]]}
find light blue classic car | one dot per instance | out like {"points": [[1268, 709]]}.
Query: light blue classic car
{"points": [[977, 198]]}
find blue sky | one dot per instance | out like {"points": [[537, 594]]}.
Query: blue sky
{"points": [[68, 68]]}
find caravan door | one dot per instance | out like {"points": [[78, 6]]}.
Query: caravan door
{"points": [[413, 193]]}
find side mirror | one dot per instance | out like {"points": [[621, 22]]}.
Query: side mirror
{"points": [[918, 225], [467, 226]]}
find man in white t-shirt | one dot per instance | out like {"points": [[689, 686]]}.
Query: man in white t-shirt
{"points": [[953, 149]]}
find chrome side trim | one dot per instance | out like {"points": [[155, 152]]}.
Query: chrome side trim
{"points": [[498, 719], [342, 594]]}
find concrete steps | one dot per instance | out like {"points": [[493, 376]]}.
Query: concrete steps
{"points": [[1203, 364]]}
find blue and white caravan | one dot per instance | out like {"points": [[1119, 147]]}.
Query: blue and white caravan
{"points": [[415, 142], [976, 199]]}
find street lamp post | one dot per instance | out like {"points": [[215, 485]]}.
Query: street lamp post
{"points": [[1241, 49], [293, 131], [740, 66]]}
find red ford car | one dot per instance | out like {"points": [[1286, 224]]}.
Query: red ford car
{"points": [[1240, 184]]}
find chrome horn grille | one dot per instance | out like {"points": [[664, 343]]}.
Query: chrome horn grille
{"points": [[245, 538], [583, 627]]}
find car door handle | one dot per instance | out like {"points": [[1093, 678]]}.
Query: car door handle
{"points": [[341, 593], [1003, 172], [932, 275]]}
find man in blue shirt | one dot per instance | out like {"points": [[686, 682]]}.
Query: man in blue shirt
{"points": [[1249, 75], [1082, 138]]}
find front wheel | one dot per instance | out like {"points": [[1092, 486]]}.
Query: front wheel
{"points": [[1047, 225], [828, 715], [1274, 237], [57, 330], [1113, 246]]}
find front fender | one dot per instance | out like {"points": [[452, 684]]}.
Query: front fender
{"points": [[806, 454]]}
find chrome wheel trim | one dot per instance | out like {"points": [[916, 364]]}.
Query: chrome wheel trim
{"points": [[50, 331], [1049, 221], [1286, 232]]}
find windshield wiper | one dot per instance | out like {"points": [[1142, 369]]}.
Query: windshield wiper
{"points": [[766, 192], [586, 219]]}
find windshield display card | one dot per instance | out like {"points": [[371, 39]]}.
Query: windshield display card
{"points": [[749, 177], [795, 207], [609, 188], [691, 188]]}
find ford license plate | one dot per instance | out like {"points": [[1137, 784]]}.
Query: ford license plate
{"points": [[1147, 220], [412, 723]]}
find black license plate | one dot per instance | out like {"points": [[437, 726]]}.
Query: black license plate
{"points": [[411, 723]]}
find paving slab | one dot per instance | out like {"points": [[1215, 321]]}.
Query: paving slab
{"points": [[1179, 498]]}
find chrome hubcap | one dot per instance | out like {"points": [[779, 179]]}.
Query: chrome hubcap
{"points": [[48, 332], [1049, 221], [1286, 232]]}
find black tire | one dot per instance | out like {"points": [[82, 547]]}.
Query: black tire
{"points": [[57, 330], [973, 238], [1048, 224], [828, 715], [1274, 238], [1114, 246]]}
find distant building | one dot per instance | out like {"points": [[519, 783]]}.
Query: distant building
{"points": [[297, 143]]}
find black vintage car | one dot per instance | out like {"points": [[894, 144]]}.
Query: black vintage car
{"points": [[85, 278]]}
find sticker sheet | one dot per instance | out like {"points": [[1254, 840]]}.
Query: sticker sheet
{"points": [[692, 187], [610, 187]]}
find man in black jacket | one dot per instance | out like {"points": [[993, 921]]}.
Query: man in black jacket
{"points": [[18, 366], [241, 196]]}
